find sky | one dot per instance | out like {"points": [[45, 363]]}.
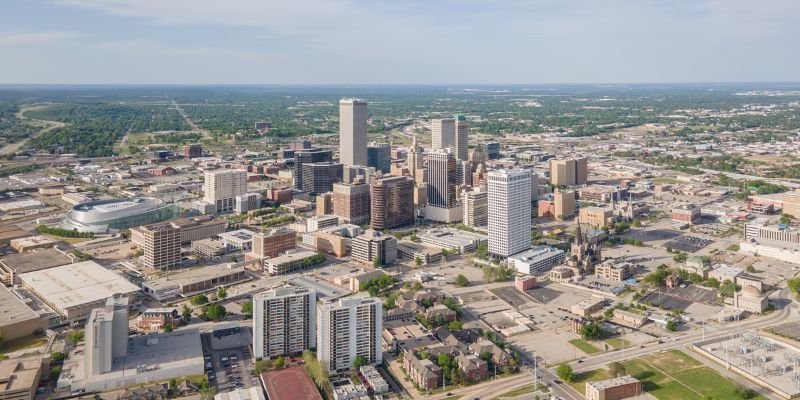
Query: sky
{"points": [[398, 41]]}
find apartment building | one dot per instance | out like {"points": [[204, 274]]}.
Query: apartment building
{"points": [[284, 322], [347, 329]]}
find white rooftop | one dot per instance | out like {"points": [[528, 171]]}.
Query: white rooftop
{"points": [[76, 284]]}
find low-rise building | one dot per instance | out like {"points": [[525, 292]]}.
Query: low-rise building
{"points": [[628, 318], [725, 273], [751, 300], [596, 217], [19, 377], [241, 239], [200, 227], [374, 247], [561, 274], [209, 248], [24, 245], [453, 239], [537, 260], [412, 251], [525, 282], [17, 319], [587, 307], [686, 213], [617, 271], [194, 281], [425, 373], [292, 261], [374, 379], [619, 388], [13, 265], [273, 242], [155, 319]]}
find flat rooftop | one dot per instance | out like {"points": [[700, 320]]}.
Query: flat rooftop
{"points": [[18, 374], [613, 382], [13, 310], [195, 275], [35, 260], [76, 284]]}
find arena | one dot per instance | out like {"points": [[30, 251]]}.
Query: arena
{"points": [[117, 214]]}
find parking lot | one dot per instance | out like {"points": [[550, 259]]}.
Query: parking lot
{"points": [[688, 243], [679, 297], [228, 359]]}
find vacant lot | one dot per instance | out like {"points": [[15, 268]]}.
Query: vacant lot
{"points": [[670, 375]]}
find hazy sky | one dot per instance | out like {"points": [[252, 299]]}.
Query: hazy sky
{"points": [[398, 41]]}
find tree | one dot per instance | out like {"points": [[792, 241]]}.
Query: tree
{"points": [[186, 314], [359, 361], [786, 219], [728, 289], [680, 258], [462, 281], [672, 325], [636, 223], [564, 372], [377, 262], [247, 308], [455, 325], [592, 331], [199, 300], [793, 284], [168, 328], [262, 366], [222, 293], [418, 262], [55, 372], [75, 337], [750, 268], [215, 312], [57, 356], [486, 356], [391, 301], [173, 384], [712, 283], [616, 369], [280, 362]]}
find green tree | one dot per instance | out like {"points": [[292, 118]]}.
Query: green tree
{"points": [[168, 328], [728, 289], [712, 283], [262, 366], [750, 268], [636, 223], [680, 258], [592, 331], [199, 300], [222, 293], [57, 356], [462, 280], [455, 325], [215, 312], [55, 372], [173, 384], [672, 325], [280, 362], [247, 308], [75, 337], [418, 261], [786, 219], [377, 262], [564, 371], [359, 361], [793, 284]]}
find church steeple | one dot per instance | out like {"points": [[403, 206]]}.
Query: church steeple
{"points": [[578, 234]]}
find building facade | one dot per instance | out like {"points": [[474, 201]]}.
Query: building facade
{"points": [[221, 187], [443, 132], [284, 322], [273, 242], [347, 329], [351, 202], [161, 245], [475, 206], [353, 132], [392, 202], [374, 247], [569, 172], [509, 221]]}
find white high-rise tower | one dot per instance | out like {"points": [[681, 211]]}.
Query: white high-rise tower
{"points": [[509, 212], [353, 132]]}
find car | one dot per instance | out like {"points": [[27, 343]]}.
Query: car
{"points": [[580, 361], [449, 394], [223, 359]]}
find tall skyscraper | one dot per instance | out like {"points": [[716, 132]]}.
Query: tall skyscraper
{"points": [[347, 329], [415, 161], [221, 186], [106, 336], [443, 133], [161, 245], [379, 156], [308, 156], [284, 322], [442, 199], [392, 202], [461, 137], [569, 172], [353, 172], [509, 212], [353, 132], [351, 202]]}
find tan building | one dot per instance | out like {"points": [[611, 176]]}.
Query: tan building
{"points": [[353, 132], [569, 172], [587, 307], [443, 132], [351, 202], [19, 378], [200, 227], [274, 242], [16, 318], [619, 388], [325, 203], [564, 204], [330, 243], [13, 265], [615, 271], [596, 217], [24, 245], [221, 187], [161, 244], [751, 300], [475, 206], [791, 203], [629, 319]]}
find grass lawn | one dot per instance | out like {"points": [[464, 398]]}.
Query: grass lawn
{"points": [[672, 361], [579, 380], [709, 383], [516, 392], [26, 342], [584, 346], [618, 343]]}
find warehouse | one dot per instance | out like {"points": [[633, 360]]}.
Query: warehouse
{"points": [[73, 290], [16, 318], [11, 266]]}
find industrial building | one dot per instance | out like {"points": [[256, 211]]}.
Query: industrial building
{"points": [[16, 318], [74, 290], [12, 265]]}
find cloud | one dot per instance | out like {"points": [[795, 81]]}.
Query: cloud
{"points": [[33, 38]]}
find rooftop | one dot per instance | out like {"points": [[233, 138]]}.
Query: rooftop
{"points": [[76, 284], [18, 374], [195, 275], [613, 382], [13, 310], [35, 260], [291, 383], [536, 254]]}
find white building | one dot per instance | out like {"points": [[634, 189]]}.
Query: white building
{"points": [[353, 132], [347, 329], [509, 212], [443, 133], [284, 322], [221, 186], [537, 260], [106, 336]]}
